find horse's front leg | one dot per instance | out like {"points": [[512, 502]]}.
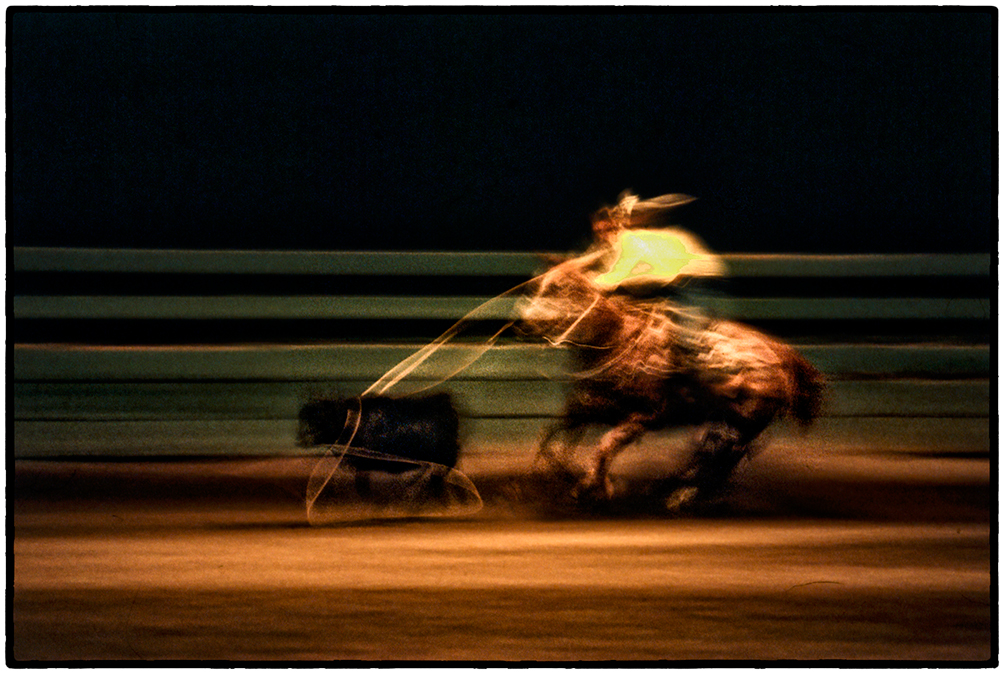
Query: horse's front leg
{"points": [[562, 458], [597, 480]]}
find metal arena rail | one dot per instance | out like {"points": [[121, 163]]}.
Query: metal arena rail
{"points": [[145, 354]]}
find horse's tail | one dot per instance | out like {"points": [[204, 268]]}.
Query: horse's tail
{"points": [[809, 384]]}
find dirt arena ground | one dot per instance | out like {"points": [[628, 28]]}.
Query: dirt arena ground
{"points": [[214, 562]]}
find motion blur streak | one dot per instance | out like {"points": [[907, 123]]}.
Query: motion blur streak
{"points": [[137, 585]]}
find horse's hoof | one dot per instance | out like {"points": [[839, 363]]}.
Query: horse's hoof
{"points": [[593, 492], [513, 491], [681, 499]]}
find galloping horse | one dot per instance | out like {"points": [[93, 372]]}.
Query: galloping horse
{"points": [[644, 366]]}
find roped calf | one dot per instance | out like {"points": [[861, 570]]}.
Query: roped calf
{"points": [[418, 428]]}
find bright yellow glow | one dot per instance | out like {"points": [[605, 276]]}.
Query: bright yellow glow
{"points": [[659, 256]]}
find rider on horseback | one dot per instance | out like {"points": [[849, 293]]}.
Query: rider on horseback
{"points": [[657, 267], [647, 357]]}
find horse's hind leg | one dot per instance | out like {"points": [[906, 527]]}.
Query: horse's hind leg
{"points": [[717, 454], [597, 481], [561, 457]]}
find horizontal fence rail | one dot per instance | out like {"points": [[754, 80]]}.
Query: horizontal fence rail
{"points": [[455, 308], [505, 441], [368, 362], [202, 297], [134, 401], [462, 263], [120, 353]]}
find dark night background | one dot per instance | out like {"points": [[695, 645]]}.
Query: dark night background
{"points": [[800, 131]]}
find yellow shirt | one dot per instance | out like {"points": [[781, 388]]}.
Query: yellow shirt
{"points": [[657, 257]]}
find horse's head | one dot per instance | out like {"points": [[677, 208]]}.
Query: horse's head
{"points": [[566, 307]]}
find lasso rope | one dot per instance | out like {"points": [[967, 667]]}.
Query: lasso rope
{"points": [[397, 373], [329, 463], [352, 418]]}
